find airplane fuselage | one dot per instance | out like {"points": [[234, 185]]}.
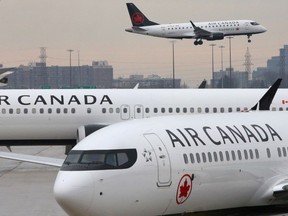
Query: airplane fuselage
{"points": [[186, 30], [40, 116], [176, 165]]}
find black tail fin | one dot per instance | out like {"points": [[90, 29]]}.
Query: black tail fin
{"points": [[137, 17]]}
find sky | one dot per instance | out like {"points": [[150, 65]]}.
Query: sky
{"points": [[96, 28]]}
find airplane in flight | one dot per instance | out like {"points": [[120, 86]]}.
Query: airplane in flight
{"points": [[175, 165], [212, 30], [64, 117]]}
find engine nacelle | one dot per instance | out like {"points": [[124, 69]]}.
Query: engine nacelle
{"points": [[216, 36], [86, 130]]}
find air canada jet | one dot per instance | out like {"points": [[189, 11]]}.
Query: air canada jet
{"points": [[175, 165], [64, 117], [211, 30]]}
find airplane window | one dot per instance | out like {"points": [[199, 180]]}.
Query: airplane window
{"points": [[206, 110], [230, 109], [286, 108], [58, 110], [185, 158], [256, 153], [162, 110], [117, 110], [222, 110], [192, 158], [238, 109], [49, 110], [279, 152], [254, 23], [214, 110], [73, 110], [227, 156], [245, 154], [268, 153], [10, 111], [284, 152], [170, 110], [33, 110], [177, 110], [251, 154], [191, 110], [280, 108], [25, 111], [239, 155], [198, 158], [3, 111], [204, 157], [100, 159], [184, 110], [215, 156], [103, 110], [111, 110], [65, 110], [221, 156], [233, 155], [41, 110], [209, 157], [199, 110], [18, 110], [147, 110], [155, 110]]}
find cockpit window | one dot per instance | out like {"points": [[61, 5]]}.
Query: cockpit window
{"points": [[254, 23], [100, 159]]}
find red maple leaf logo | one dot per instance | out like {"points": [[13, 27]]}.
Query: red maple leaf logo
{"points": [[184, 189], [137, 18]]}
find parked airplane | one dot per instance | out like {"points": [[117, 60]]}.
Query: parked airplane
{"points": [[212, 30], [176, 165], [61, 117], [4, 72]]}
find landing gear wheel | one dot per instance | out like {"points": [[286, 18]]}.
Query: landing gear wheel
{"points": [[249, 40]]}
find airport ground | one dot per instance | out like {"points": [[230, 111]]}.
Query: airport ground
{"points": [[27, 189]]}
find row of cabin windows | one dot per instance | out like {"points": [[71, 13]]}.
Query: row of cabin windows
{"points": [[239, 155], [221, 156], [126, 110], [231, 25]]}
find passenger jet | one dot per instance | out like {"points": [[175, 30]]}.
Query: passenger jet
{"points": [[177, 164], [63, 117], [212, 30]]}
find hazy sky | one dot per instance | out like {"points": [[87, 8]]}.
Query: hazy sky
{"points": [[96, 29]]}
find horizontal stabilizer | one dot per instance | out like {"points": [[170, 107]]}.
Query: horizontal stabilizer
{"points": [[32, 159]]}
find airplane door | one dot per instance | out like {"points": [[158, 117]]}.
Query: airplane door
{"points": [[246, 26], [125, 112], [162, 158], [138, 112], [163, 31]]}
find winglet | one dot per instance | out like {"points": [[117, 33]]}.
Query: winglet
{"points": [[265, 102]]}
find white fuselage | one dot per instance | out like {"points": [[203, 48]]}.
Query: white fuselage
{"points": [[184, 164], [186, 30], [57, 114]]}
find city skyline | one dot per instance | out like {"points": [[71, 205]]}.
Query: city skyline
{"points": [[97, 30]]}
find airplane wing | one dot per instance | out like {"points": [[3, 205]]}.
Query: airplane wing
{"points": [[199, 32], [32, 159]]}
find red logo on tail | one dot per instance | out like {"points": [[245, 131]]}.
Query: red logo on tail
{"points": [[137, 18]]}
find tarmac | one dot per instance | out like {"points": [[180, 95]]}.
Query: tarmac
{"points": [[27, 189]]}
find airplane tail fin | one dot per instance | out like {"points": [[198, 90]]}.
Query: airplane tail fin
{"points": [[137, 17]]}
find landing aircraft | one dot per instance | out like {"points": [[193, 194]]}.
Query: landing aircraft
{"points": [[176, 165], [212, 30], [63, 117]]}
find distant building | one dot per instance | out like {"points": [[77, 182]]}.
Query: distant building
{"points": [[152, 81], [99, 75], [238, 79]]}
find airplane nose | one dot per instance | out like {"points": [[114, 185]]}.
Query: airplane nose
{"points": [[74, 192]]}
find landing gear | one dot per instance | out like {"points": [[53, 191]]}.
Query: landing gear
{"points": [[249, 40], [198, 42]]}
